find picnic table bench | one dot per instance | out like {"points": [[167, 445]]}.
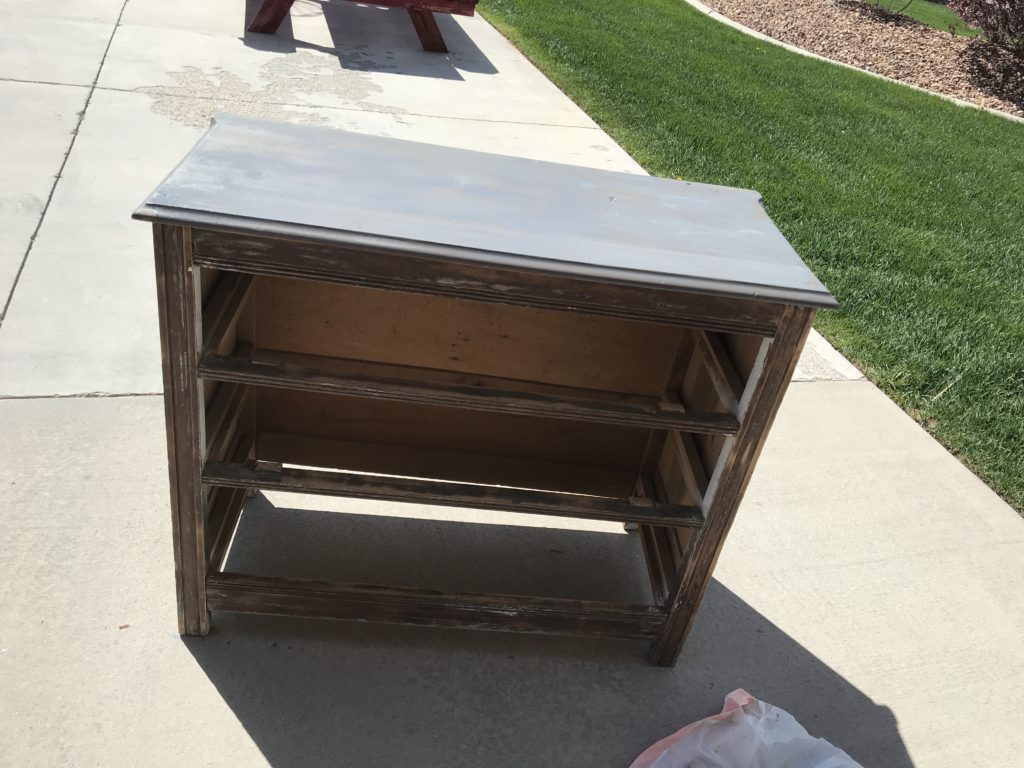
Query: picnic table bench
{"points": [[272, 12]]}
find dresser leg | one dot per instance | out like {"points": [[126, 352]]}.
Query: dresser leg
{"points": [[177, 297]]}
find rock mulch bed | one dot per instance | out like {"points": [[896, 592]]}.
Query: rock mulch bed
{"points": [[895, 46]]}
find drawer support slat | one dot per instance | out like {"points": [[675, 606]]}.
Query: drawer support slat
{"points": [[223, 307], [417, 385], [418, 491]]}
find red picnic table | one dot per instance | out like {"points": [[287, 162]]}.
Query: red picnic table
{"points": [[272, 12]]}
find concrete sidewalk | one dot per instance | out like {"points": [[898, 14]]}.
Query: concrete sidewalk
{"points": [[872, 585]]}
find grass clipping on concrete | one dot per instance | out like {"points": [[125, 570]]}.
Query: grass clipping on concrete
{"points": [[909, 208]]}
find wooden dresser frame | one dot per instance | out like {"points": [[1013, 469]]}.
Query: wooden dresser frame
{"points": [[662, 429]]}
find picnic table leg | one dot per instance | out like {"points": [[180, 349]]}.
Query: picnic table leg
{"points": [[269, 16], [427, 29]]}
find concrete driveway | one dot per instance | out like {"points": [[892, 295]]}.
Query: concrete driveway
{"points": [[872, 585]]}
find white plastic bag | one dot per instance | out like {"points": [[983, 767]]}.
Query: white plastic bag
{"points": [[748, 733]]}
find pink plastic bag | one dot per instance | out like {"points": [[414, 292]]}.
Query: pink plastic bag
{"points": [[748, 733]]}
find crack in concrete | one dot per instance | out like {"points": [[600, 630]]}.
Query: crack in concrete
{"points": [[372, 108], [63, 164]]}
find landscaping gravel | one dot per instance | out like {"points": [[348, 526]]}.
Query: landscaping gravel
{"points": [[895, 46]]}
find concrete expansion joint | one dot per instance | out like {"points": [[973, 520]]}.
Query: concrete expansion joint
{"points": [[364, 109], [63, 164], [41, 82], [75, 395]]}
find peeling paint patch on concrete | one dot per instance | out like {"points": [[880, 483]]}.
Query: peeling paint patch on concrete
{"points": [[288, 84]]}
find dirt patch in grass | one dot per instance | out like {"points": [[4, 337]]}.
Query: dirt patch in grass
{"points": [[888, 44]]}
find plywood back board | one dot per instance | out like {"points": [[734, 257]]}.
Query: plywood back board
{"points": [[423, 428], [463, 335]]}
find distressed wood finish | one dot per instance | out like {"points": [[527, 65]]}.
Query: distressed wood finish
{"points": [[273, 476], [659, 570], [271, 13], [720, 369], [397, 271], [226, 508], [423, 385], [623, 366], [222, 309], [729, 482], [361, 192], [224, 514], [179, 332], [429, 607]]}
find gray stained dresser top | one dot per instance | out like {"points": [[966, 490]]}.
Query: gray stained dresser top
{"points": [[369, 192]]}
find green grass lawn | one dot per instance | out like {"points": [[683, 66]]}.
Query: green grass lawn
{"points": [[933, 14], [909, 208]]}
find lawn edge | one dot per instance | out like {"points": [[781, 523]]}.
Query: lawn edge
{"points": [[712, 13], [510, 35]]}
